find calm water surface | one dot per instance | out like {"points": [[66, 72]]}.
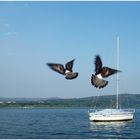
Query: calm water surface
{"points": [[62, 124]]}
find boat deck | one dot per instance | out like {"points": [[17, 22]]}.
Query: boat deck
{"points": [[111, 114]]}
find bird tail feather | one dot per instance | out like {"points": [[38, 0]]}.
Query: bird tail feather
{"points": [[97, 82]]}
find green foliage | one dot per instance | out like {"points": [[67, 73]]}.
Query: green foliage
{"points": [[125, 101]]}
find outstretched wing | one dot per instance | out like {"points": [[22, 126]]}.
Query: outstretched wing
{"points": [[98, 64], [69, 65], [57, 67], [106, 71], [97, 82]]}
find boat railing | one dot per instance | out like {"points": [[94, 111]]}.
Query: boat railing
{"points": [[111, 111]]}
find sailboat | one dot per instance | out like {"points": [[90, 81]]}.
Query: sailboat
{"points": [[111, 115]]}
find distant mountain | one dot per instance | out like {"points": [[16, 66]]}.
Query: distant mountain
{"points": [[24, 100], [53, 98], [106, 101]]}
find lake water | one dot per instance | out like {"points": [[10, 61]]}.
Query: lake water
{"points": [[62, 124]]}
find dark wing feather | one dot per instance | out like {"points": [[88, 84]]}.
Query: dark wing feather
{"points": [[57, 67], [69, 65], [106, 71], [98, 64]]}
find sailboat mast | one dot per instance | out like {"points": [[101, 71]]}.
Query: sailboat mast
{"points": [[117, 98]]}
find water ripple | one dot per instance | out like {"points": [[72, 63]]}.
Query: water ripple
{"points": [[62, 124]]}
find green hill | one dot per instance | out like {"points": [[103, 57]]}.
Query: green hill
{"points": [[106, 101]]}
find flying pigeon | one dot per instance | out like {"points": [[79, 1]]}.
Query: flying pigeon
{"points": [[100, 73], [67, 71]]}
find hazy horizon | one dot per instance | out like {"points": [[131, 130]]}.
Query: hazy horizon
{"points": [[68, 98], [34, 33]]}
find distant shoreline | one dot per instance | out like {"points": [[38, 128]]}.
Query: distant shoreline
{"points": [[106, 101]]}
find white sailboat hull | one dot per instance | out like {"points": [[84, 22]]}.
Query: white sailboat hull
{"points": [[111, 115]]}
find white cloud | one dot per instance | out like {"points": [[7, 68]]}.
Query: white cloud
{"points": [[7, 25], [11, 33], [7, 30]]}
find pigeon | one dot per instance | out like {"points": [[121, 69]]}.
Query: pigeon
{"points": [[67, 71], [100, 73]]}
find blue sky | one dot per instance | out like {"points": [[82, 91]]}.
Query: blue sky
{"points": [[33, 33]]}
